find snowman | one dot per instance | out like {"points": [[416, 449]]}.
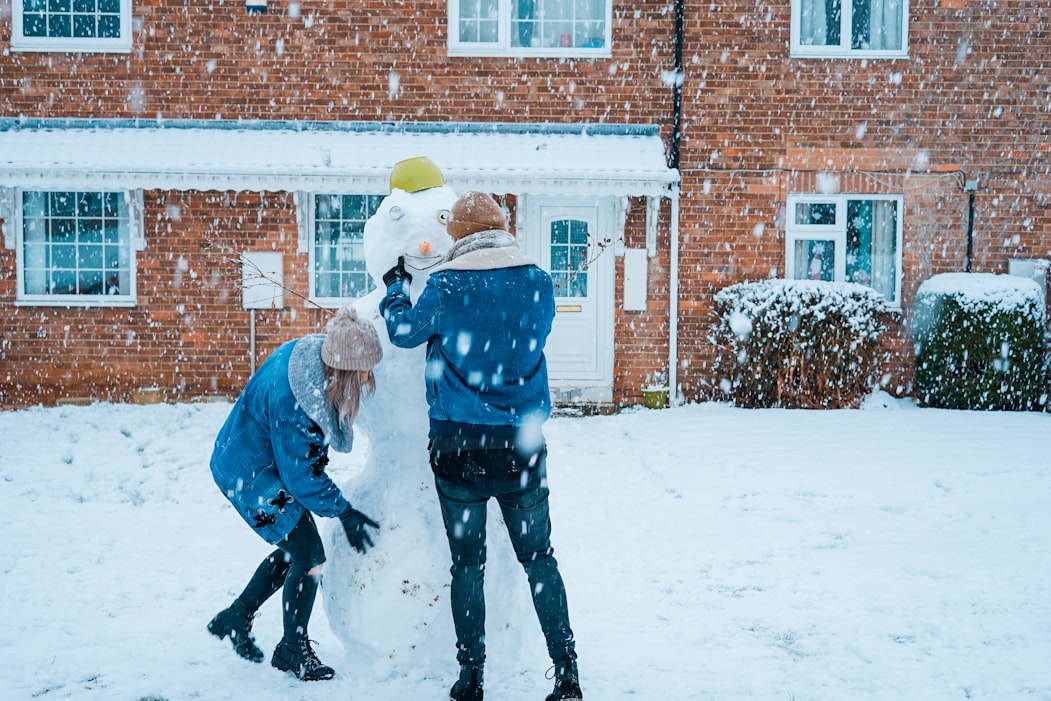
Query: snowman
{"points": [[390, 607]]}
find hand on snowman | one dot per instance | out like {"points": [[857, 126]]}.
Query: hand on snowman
{"points": [[354, 523], [397, 274]]}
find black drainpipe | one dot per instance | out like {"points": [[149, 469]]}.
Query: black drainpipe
{"points": [[970, 187], [676, 119]]}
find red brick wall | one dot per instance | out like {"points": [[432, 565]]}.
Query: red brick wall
{"points": [[189, 335], [335, 62], [642, 336], [972, 101]]}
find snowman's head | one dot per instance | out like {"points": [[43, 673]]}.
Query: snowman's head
{"points": [[409, 224]]}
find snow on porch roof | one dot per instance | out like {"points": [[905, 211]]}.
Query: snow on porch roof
{"points": [[329, 156]]}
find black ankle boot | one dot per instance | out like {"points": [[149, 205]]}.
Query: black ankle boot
{"points": [[469, 686], [567, 681], [296, 656], [237, 625]]}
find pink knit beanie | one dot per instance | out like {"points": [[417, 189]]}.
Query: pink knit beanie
{"points": [[350, 343]]}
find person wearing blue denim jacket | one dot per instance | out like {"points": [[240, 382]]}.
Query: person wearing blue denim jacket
{"points": [[269, 461], [485, 315]]}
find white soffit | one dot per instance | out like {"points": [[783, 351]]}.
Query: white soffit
{"points": [[345, 157]]}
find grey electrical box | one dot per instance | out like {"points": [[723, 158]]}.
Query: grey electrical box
{"points": [[636, 264], [263, 280], [1033, 268]]}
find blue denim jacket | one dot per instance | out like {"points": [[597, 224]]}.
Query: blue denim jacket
{"points": [[270, 455], [485, 317]]}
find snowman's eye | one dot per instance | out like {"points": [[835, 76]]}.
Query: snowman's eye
{"points": [[396, 213], [443, 217]]}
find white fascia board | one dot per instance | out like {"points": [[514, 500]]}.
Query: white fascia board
{"points": [[329, 161]]}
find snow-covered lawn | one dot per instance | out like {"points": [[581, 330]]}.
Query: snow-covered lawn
{"points": [[709, 553]]}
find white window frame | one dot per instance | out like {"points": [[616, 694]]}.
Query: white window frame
{"points": [[503, 45], [121, 44], [307, 202], [843, 49], [135, 242], [836, 233]]}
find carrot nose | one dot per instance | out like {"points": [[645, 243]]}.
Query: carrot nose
{"points": [[425, 247]]}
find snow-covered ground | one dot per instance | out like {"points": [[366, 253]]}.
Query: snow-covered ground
{"points": [[709, 553]]}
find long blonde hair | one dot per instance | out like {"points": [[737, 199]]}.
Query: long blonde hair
{"points": [[343, 390]]}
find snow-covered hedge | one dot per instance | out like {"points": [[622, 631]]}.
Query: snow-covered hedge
{"points": [[980, 342], [798, 343]]}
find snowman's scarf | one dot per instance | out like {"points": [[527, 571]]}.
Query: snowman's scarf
{"points": [[486, 250]]}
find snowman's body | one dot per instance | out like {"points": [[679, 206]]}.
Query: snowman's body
{"points": [[410, 561]]}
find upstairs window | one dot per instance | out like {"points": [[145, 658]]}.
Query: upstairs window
{"points": [[850, 28], [530, 27], [71, 25], [75, 249], [337, 253], [846, 238]]}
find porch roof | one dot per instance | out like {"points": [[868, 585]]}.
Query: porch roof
{"points": [[330, 156]]}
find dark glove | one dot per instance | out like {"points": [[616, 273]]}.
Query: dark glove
{"points": [[397, 274], [354, 523]]}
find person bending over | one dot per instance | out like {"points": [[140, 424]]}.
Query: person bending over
{"points": [[269, 461]]}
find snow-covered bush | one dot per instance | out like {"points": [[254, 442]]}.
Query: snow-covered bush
{"points": [[980, 342], [798, 343]]}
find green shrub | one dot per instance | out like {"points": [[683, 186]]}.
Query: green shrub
{"points": [[798, 343], [980, 342]]}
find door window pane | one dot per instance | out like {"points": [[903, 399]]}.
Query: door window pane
{"points": [[569, 255]]}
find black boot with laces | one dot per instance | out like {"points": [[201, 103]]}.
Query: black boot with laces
{"points": [[296, 656], [237, 625], [469, 686], [567, 681]]}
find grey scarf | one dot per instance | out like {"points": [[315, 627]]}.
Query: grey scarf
{"points": [[483, 239], [486, 250], [306, 376]]}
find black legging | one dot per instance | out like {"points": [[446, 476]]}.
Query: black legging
{"points": [[287, 568]]}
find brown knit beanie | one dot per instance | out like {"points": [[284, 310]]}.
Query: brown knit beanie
{"points": [[473, 212], [350, 343]]}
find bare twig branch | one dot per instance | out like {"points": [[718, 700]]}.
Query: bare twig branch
{"points": [[600, 247], [263, 276]]}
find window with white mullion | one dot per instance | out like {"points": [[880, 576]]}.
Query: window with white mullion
{"points": [[337, 258], [75, 248], [530, 27], [71, 25], [850, 28], [846, 238]]}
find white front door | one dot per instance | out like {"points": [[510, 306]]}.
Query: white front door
{"points": [[573, 240]]}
